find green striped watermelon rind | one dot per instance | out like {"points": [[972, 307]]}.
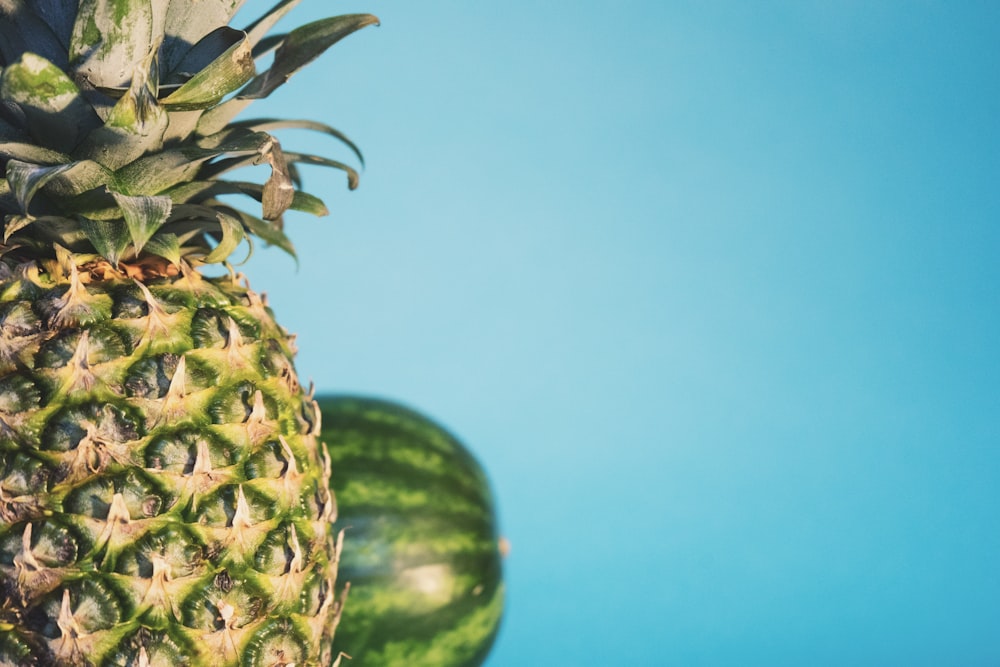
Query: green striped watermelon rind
{"points": [[422, 551]]}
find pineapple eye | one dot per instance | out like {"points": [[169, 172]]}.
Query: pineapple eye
{"points": [[150, 377], [175, 545], [19, 319], [158, 648], [92, 603], [219, 508], [235, 403], [207, 328], [55, 545], [209, 608], [278, 643], [18, 394], [97, 424], [268, 462], [179, 452]]}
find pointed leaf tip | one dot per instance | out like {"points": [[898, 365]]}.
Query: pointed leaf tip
{"points": [[144, 215], [300, 47]]}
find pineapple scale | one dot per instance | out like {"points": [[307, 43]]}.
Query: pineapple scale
{"points": [[163, 500]]}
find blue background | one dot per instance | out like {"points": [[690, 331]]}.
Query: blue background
{"points": [[710, 288]]}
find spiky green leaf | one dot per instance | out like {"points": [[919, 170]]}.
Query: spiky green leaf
{"points": [[271, 124], [14, 223], [135, 125], [79, 177], [303, 158], [110, 238], [143, 216], [165, 245], [269, 232], [296, 50], [232, 234], [10, 132], [226, 73], [187, 21], [24, 28], [110, 37], [256, 30], [26, 179], [156, 173], [56, 111], [153, 174], [16, 150], [301, 46]]}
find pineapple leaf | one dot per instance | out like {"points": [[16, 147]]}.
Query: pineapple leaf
{"points": [[153, 174], [352, 175], [256, 30], [79, 177], [16, 150], [15, 223], [295, 50], [229, 70], [110, 238], [302, 201], [165, 245], [10, 132], [110, 37], [143, 216], [20, 23], [269, 124], [267, 44], [59, 16], [269, 232], [232, 234], [185, 24], [135, 125], [308, 203], [278, 191], [26, 179], [56, 112], [300, 47]]}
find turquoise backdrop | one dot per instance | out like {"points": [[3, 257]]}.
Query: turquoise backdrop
{"points": [[711, 288]]}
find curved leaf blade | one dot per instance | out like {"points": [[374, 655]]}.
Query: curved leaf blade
{"points": [[26, 179], [302, 158], [256, 30], [270, 124], [186, 22], [16, 150], [230, 70], [300, 47], [143, 216], [110, 238], [109, 38], [21, 24], [135, 125], [165, 245], [268, 232], [57, 113], [232, 234]]}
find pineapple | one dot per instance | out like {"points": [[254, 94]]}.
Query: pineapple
{"points": [[163, 499]]}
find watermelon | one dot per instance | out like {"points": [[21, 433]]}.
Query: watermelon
{"points": [[422, 552]]}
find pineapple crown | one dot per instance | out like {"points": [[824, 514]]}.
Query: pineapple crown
{"points": [[117, 136]]}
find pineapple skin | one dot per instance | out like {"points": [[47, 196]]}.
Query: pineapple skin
{"points": [[163, 500]]}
